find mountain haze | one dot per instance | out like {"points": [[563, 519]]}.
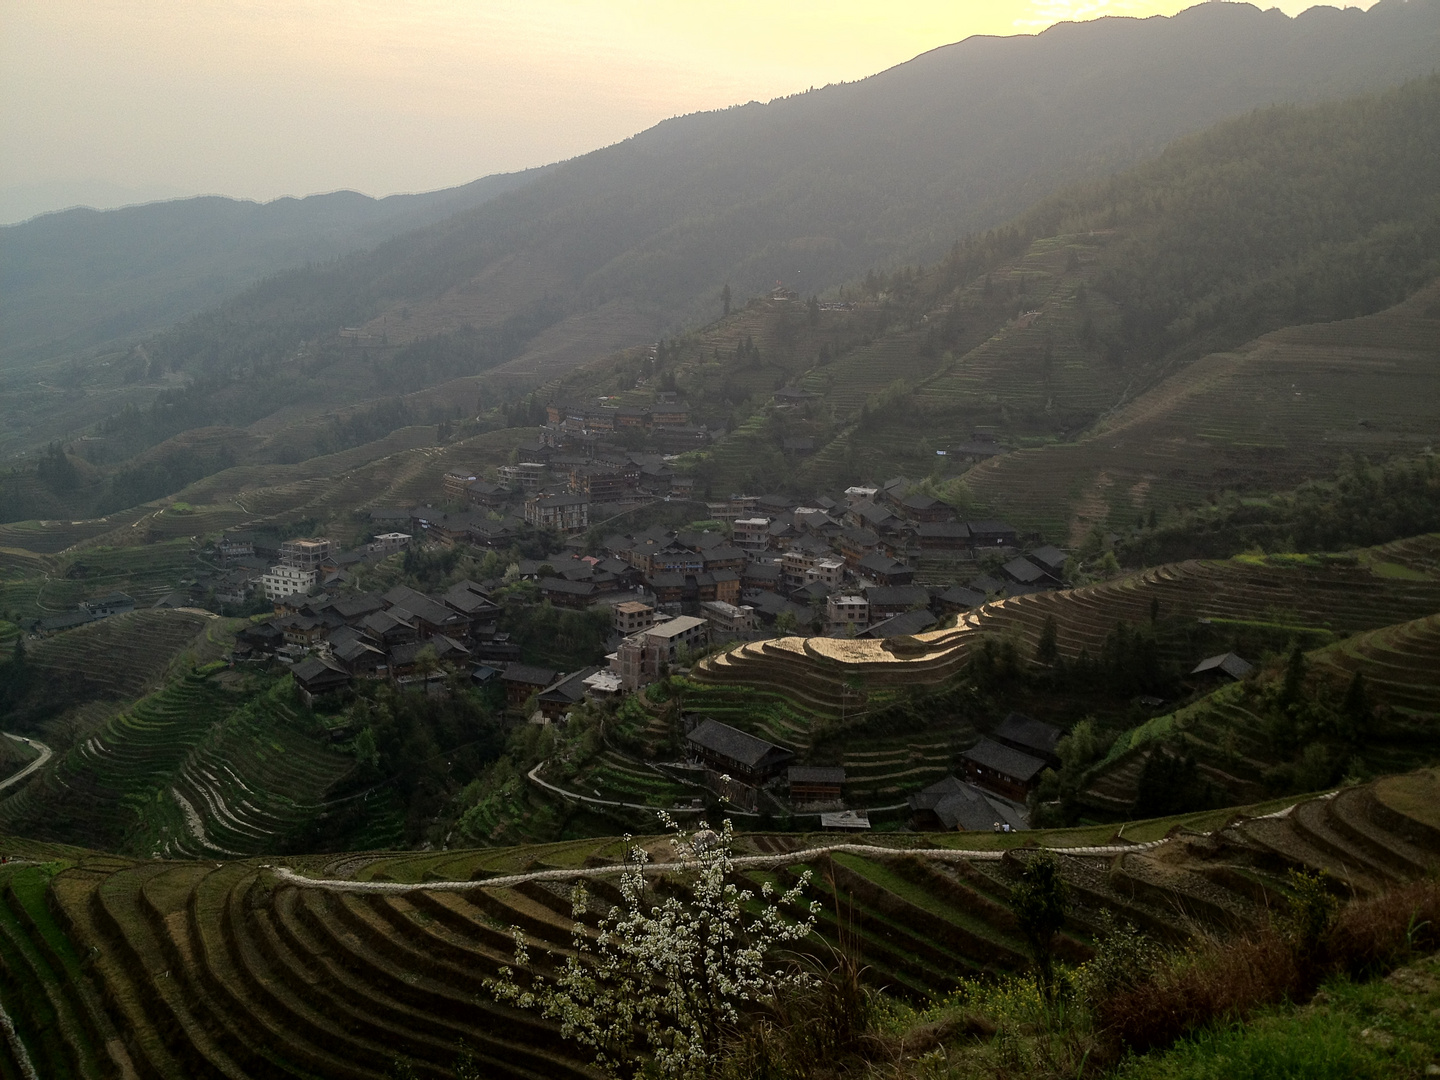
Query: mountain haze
{"points": [[79, 278], [887, 170]]}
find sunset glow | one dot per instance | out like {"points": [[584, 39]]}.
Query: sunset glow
{"points": [[261, 98]]}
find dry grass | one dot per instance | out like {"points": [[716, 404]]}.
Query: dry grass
{"points": [[1218, 981]]}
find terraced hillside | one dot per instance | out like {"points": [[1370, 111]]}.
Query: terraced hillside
{"points": [[1234, 748], [822, 678], [122, 657], [1286, 407], [193, 770], [232, 969]]}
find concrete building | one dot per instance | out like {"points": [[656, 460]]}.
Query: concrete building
{"points": [[846, 616], [727, 620], [828, 572], [751, 534], [282, 581], [632, 616], [640, 656], [305, 554], [387, 543], [567, 513]]}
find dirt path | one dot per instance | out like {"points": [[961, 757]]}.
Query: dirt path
{"points": [[743, 862]]}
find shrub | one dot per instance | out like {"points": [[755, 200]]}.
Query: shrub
{"points": [[667, 978]]}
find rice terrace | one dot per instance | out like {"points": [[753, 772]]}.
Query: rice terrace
{"points": [[932, 576]]}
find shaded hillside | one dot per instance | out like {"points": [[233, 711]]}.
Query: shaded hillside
{"points": [[828, 183], [232, 969], [1297, 726], [81, 278], [1286, 407]]}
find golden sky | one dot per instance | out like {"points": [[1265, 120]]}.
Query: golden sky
{"points": [[136, 99]]}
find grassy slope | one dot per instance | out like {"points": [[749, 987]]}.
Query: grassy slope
{"points": [[1365, 1031]]}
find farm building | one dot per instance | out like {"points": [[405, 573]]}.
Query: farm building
{"points": [[1029, 736], [815, 783], [953, 804], [735, 753], [1002, 768]]}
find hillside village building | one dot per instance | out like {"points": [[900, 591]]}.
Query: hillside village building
{"points": [[632, 616], [282, 581], [640, 657], [735, 753], [305, 554], [846, 616], [566, 513]]}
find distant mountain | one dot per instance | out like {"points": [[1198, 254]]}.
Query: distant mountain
{"points": [[816, 189], [638, 239], [81, 277]]}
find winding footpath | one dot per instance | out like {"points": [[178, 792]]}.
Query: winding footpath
{"points": [[39, 763], [741, 862]]}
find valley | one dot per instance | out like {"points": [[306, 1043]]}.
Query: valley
{"points": [[920, 506]]}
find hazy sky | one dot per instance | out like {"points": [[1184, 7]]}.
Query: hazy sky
{"points": [[112, 101]]}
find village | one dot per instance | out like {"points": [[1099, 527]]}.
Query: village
{"points": [[881, 562]]}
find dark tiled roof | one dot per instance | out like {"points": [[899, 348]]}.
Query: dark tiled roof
{"points": [[991, 528], [963, 597], [357, 606], [959, 805], [815, 774], [313, 671], [1024, 571], [1004, 760], [1028, 733], [898, 595], [733, 743], [571, 688], [525, 673], [573, 588], [902, 625], [1050, 557], [948, 530], [1229, 663]]}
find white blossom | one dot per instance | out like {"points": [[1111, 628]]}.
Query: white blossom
{"points": [[664, 977]]}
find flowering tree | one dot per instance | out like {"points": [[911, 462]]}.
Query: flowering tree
{"points": [[665, 977]]}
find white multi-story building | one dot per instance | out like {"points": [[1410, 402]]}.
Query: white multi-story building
{"points": [[282, 581]]}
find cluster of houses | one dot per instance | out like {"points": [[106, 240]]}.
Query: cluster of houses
{"points": [[816, 568], [413, 639], [253, 562], [996, 777]]}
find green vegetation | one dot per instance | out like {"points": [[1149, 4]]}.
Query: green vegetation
{"points": [[1363, 505], [343, 984]]}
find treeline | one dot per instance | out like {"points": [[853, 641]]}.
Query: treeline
{"points": [[1362, 506]]}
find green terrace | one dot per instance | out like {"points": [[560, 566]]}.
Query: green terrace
{"points": [[221, 968]]}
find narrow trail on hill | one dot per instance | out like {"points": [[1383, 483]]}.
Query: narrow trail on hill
{"points": [[45, 754], [742, 862]]}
